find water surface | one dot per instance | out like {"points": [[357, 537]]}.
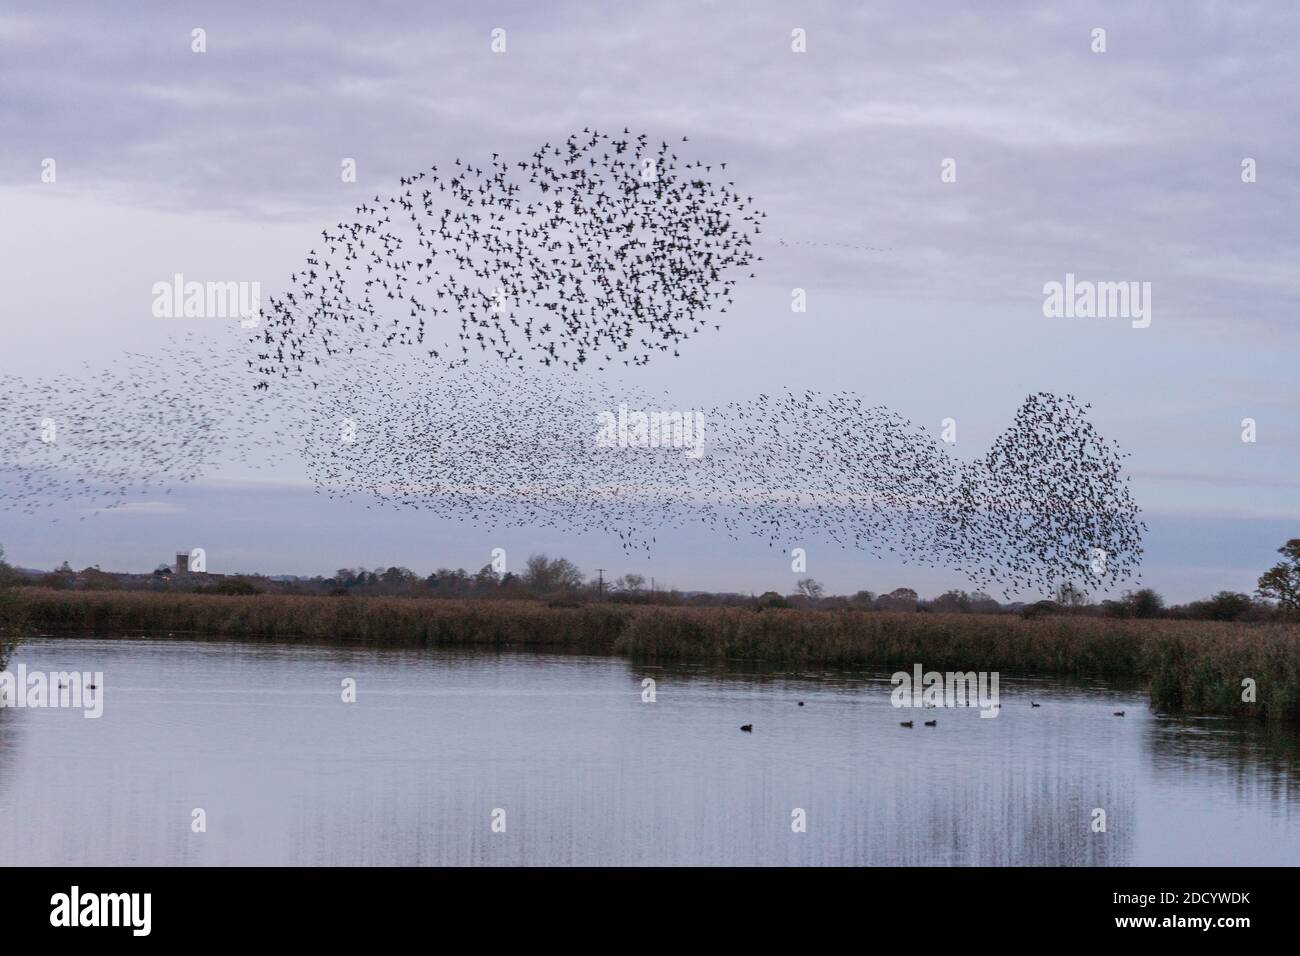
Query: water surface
{"points": [[438, 741]]}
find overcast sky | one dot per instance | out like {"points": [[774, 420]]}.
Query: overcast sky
{"points": [[923, 295]]}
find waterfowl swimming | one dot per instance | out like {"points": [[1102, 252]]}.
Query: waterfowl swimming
{"points": [[800, 703], [905, 723], [1119, 713], [1032, 704], [932, 723], [747, 728]]}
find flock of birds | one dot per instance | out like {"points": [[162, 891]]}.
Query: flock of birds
{"points": [[520, 448], [909, 724], [135, 428], [602, 249], [398, 369]]}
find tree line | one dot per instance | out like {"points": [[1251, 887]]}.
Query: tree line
{"points": [[1277, 593]]}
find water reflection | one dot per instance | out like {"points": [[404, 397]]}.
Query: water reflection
{"points": [[584, 772]]}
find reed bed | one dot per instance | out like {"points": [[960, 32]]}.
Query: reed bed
{"points": [[1194, 666], [373, 621], [13, 623]]}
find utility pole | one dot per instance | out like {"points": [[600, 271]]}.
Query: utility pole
{"points": [[600, 585]]}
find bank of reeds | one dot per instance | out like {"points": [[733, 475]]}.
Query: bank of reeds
{"points": [[1195, 666], [13, 622], [376, 621]]}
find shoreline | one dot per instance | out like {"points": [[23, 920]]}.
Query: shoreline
{"points": [[1194, 667]]}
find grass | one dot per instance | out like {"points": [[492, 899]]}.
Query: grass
{"points": [[1194, 666]]}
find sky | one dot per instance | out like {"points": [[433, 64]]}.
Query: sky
{"points": [[923, 294]]}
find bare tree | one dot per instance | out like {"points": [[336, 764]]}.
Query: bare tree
{"points": [[543, 574], [811, 589], [1070, 594], [630, 582]]}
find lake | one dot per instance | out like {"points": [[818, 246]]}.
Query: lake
{"points": [[562, 753]]}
